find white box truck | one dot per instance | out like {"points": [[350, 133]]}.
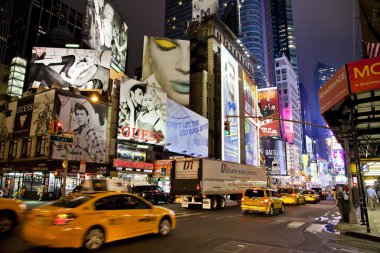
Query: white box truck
{"points": [[208, 182]]}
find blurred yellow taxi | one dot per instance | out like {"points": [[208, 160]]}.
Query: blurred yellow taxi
{"points": [[263, 200], [12, 213], [311, 196], [92, 219], [292, 195]]}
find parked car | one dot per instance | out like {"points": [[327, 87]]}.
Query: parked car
{"points": [[292, 196], [311, 196], [152, 193], [89, 220], [12, 213], [262, 199], [321, 193]]}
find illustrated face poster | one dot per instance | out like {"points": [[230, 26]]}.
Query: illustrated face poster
{"points": [[7, 120], [42, 112], [142, 113]]}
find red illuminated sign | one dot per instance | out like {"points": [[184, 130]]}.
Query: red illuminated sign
{"points": [[364, 75], [132, 164]]}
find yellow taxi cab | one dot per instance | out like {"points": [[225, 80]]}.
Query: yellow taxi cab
{"points": [[291, 195], [92, 219], [311, 196], [12, 213], [263, 200]]}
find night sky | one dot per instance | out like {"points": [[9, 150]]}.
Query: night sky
{"points": [[323, 29]]}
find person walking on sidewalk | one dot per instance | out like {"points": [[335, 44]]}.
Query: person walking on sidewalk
{"points": [[372, 197], [339, 200]]}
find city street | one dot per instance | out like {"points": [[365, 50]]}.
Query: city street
{"points": [[300, 229]]}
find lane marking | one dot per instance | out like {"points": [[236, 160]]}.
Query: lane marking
{"points": [[279, 221], [186, 215], [295, 224], [315, 228]]}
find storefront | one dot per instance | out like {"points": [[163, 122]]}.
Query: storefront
{"points": [[161, 174], [133, 172]]}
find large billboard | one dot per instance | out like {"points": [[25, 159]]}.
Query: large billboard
{"points": [[142, 112], [70, 67], [268, 106], [42, 112], [364, 75], [88, 125], [7, 119], [230, 106], [334, 91], [251, 143], [187, 132], [166, 64], [104, 29], [23, 117], [274, 152], [250, 96], [203, 8]]}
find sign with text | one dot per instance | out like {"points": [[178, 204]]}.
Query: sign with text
{"points": [[268, 108], [132, 164], [364, 75]]}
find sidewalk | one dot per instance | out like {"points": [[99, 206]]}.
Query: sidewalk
{"points": [[360, 231]]}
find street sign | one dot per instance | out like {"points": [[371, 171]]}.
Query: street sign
{"points": [[61, 138]]}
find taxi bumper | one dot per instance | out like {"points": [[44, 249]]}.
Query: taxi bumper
{"points": [[289, 200], [254, 208]]}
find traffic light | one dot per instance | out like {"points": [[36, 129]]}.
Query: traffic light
{"points": [[226, 127], [51, 127], [58, 128]]}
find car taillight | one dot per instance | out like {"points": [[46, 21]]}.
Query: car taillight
{"points": [[63, 219], [266, 200], [293, 194], [242, 199], [198, 187]]}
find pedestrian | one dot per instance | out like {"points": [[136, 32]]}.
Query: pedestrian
{"points": [[339, 200], [40, 192], [371, 197], [5, 190]]}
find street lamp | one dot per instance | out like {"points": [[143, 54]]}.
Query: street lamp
{"points": [[93, 98]]}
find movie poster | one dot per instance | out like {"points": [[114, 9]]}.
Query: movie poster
{"points": [[88, 127], [166, 65], [142, 112], [274, 151], [84, 69], [42, 112], [104, 29], [187, 131], [230, 107], [268, 108]]}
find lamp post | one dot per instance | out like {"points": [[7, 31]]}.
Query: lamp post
{"points": [[70, 133]]}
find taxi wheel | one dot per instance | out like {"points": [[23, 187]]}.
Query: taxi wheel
{"points": [[165, 227], [304, 202], [7, 223], [282, 210], [94, 239], [271, 211]]}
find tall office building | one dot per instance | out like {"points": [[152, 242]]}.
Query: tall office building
{"points": [[28, 23], [305, 116], [284, 41]]}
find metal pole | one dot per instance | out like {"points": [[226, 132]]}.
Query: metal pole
{"points": [[67, 156], [353, 216]]}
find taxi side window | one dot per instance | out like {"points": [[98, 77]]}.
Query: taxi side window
{"points": [[108, 203], [274, 194], [130, 202], [267, 193]]}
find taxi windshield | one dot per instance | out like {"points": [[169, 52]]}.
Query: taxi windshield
{"points": [[254, 193], [71, 202], [285, 190], [308, 192]]}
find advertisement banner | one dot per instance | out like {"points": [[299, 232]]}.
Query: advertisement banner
{"points": [[187, 131], [142, 114], [230, 106], [166, 65], [23, 118], [42, 112], [334, 90], [309, 144], [85, 69], [251, 144], [203, 8], [186, 169], [364, 75], [7, 119], [88, 125], [130, 153], [250, 96], [268, 107], [104, 29], [274, 151], [162, 168]]}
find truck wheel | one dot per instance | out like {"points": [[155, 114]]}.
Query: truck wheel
{"points": [[221, 203], [214, 203]]}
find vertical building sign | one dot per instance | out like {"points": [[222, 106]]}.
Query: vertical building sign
{"points": [[268, 108], [23, 118]]}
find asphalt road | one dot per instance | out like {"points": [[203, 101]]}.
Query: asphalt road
{"points": [[306, 228]]}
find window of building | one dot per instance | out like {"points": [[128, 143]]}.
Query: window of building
{"points": [[286, 105], [283, 71], [12, 149], [2, 149], [285, 91]]}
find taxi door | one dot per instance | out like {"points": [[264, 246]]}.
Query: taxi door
{"points": [[277, 201]]}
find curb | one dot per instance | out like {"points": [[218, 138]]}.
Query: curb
{"points": [[362, 235]]}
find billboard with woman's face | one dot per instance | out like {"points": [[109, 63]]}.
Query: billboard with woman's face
{"points": [[268, 109], [166, 64], [251, 143], [104, 29], [250, 96], [203, 8], [84, 69], [142, 112]]}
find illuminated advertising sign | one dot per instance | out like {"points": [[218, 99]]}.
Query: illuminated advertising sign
{"points": [[309, 144], [250, 96], [166, 64], [203, 8], [230, 106], [268, 106], [187, 131], [251, 143], [274, 151], [334, 91], [23, 117], [42, 112], [142, 114], [132, 164], [338, 158], [88, 125], [364, 75], [70, 67], [104, 29], [288, 125], [162, 168]]}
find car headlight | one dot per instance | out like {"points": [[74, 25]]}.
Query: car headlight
{"points": [[22, 207], [143, 195], [171, 212]]}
